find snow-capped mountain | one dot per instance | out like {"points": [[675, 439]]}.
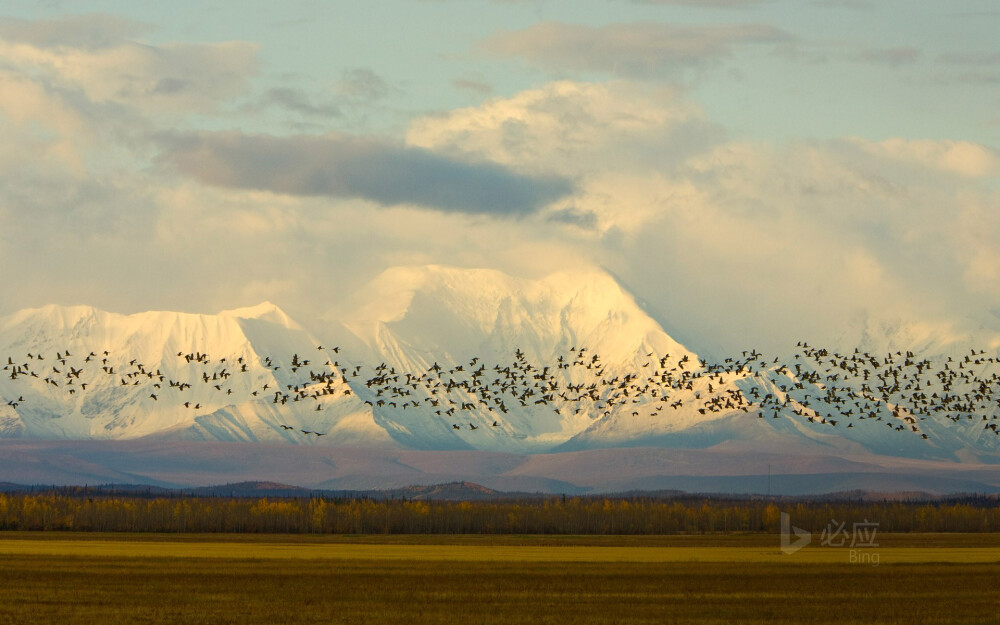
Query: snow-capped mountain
{"points": [[878, 334], [536, 345], [442, 358], [79, 372], [634, 385], [413, 315]]}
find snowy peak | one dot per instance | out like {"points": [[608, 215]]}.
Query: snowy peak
{"points": [[472, 295], [446, 358], [79, 372], [929, 339], [477, 358], [155, 335], [55, 318], [458, 313], [265, 311]]}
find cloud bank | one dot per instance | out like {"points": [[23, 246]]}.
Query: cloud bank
{"points": [[341, 166], [118, 188]]}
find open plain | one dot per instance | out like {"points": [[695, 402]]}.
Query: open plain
{"points": [[142, 578]]}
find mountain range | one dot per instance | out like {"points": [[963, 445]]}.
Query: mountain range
{"points": [[445, 360]]}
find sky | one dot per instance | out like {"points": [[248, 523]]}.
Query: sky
{"points": [[756, 172]]}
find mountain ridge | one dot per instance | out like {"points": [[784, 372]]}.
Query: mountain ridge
{"points": [[187, 465], [468, 359]]}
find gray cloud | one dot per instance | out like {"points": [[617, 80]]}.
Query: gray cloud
{"points": [[92, 31], [344, 166], [476, 86], [298, 101], [362, 84], [636, 50], [971, 58], [575, 217], [894, 57]]}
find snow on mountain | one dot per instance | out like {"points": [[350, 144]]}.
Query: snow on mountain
{"points": [[79, 372], [930, 339], [441, 358], [537, 344], [413, 313], [478, 359]]}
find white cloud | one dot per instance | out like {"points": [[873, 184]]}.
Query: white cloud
{"points": [[741, 244], [45, 128], [635, 50], [92, 31], [571, 127], [964, 158], [619, 140], [797, 239], [177, 77], [735, 240], [78, 101]]}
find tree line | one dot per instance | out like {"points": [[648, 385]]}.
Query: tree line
{"points": [[576, 515]]}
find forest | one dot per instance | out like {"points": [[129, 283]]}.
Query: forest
{"points": [[79, 511]]}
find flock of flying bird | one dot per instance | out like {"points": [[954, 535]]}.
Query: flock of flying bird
{"points": [[826, 388]]}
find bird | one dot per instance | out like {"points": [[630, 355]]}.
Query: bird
{"points": [[817, 386]]}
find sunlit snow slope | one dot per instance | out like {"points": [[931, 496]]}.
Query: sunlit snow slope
{"points": [[443, 358]]}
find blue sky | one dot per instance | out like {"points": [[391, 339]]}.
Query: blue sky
{"points": [[818, 165], [871, 69]]}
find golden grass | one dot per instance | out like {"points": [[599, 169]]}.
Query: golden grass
{"points": [[262, 550], [940, 539], [84, 579], [90, 590]]}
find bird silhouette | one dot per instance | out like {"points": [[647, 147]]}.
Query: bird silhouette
{"points": [[819, 387]]}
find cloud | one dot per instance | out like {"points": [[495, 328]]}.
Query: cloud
{"points": [[476, 86], [45, 127], [209, 239], [90, 55], [92, 31], [893, 57], [362, 84], [738, 245], [298, 101], [621, 141], [973, 68], [572, 128], [356, 167], [971, 58], [636, 50], [575, 217], [970, 160], [357, 89], [797, 239]]}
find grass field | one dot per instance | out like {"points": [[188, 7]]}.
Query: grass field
{"points": [[95, 578]]}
